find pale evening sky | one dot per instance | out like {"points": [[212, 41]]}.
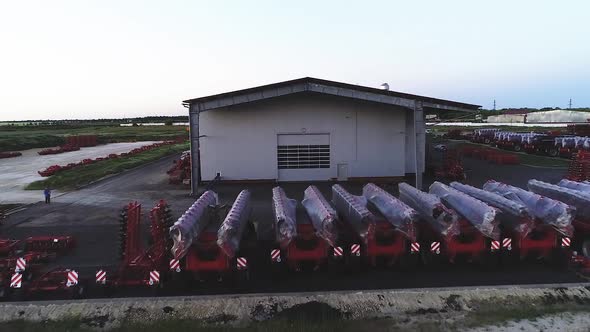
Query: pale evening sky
{"points": [[109, 59]]}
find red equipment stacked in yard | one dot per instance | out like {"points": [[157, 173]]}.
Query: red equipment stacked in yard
{"points": [[4, 155], [73, 143], [181, 171], [579, 167], [451, 166]]}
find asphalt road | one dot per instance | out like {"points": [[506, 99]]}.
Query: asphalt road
{"points": [[90, 215]]}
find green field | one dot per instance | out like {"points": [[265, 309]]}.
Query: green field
{"points": [[22, 138], [79, 176]]}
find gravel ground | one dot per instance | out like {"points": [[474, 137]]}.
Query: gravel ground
{"points": [[17, 173]]}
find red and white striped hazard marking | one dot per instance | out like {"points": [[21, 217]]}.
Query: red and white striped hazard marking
{"points": [[275, 255], [154, 278], [566, 242], [415, 247], [21, 265], [72, 278], [507, 243], [355, 249], [435, 247], [101, 277], [175, 265], [242, 263], [338, 252], [495, 245], [16, 280]]}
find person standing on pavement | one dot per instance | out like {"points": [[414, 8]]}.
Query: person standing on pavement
{"points": [[47, 193]]}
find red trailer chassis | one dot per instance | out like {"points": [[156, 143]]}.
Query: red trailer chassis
{"points": [[542, 242], [469, 244], [205, 260], [384, 244], [305, 249]]}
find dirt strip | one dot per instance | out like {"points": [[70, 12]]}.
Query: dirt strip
{"points": [[399, 305]]}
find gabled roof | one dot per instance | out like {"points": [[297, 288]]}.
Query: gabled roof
{"points": [[310, 84]]}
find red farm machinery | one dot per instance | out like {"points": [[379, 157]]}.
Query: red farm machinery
{"points": [[303, 241], [211, 243], [140, 267], [24, 264]]}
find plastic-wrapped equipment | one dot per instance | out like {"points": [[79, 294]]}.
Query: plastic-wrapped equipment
{"points": [[430, 209], [478, 213], [322, 215], [577, 199], [354, 210], [397, 213], [515, 214], [284, 211], [231, 230], [188, 227], [549, 211], [579, 186]]}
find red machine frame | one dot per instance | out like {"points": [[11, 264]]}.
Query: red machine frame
{"points": [[541, 242], [138, 265], [306, 247], [470, 243]]}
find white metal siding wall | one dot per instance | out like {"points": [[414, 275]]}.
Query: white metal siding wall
{"points": [[241, 142]]}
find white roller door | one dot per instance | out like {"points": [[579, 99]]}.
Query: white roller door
{"points": [[303, 157]]}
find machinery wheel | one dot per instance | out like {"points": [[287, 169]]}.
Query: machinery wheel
{"points": [[553, 152], [586, 248], [517, 147], [79, 291], [409, 262], [559, 259]]}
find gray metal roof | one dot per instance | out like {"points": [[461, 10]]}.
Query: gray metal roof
{"points": [[314, 85]]}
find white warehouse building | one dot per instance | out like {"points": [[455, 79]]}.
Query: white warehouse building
{"points": [[310, 130]]}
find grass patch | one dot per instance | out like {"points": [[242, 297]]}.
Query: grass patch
{"points": [[83, 175], [495, 315], [525, 158], [22, 138], [75, 324]]}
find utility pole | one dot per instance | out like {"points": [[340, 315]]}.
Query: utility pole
{"points": [[570, 105], [494, 104]]}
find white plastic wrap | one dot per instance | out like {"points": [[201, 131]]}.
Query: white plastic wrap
{"points": [[547, 210], [577, 199], [230, 232], [284, 210], [478, 213], [188, 227], [579, 186], [354, 210], [515, 214], [430, 209], [395, 211], [322, 215]]}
